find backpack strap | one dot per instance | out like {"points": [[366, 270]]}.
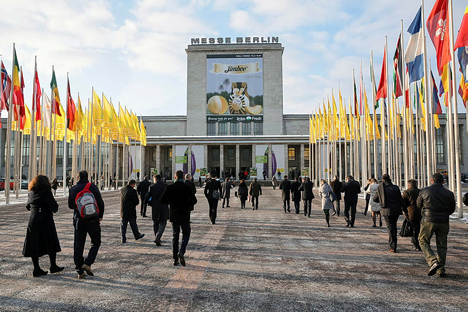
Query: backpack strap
{"points": [[88, 185]]}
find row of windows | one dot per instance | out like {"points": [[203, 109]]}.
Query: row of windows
{"points": [[221, 128]]}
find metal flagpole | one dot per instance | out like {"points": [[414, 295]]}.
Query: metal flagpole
{"points": [[32, 136], [65, 146]]}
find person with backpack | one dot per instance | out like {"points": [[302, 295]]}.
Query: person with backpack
{"points": [[213, 195], [88, 206], [128, 202]]}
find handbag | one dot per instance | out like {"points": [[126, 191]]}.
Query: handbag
{"points": [[407, 228]]}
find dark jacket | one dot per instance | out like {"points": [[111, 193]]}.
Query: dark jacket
{"points": [[296, 194], [409, 197], [180, 198], [192, 187], [336, 186], [128, 202], [242, 191], [226, 186], [210, 186], [286, 187], [389, 197], [159, 212], [306, 189], [143, 188], [80, 185], [255, 189], [41, 235], [436, 203], [351, 189]]}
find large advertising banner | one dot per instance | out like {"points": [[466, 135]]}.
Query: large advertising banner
{"points": [[134, 163], [181, 158], [198, 161], [261, 159], [277, 155], [234, 88]]}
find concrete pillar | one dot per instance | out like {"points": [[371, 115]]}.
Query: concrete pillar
{"points": [[270, 163], [158, 158], [189, 159], [286, 162], [253, 158], [237, 160], [302, 160], [143, 171], [173, 161], [206, 157], [221, 160]]}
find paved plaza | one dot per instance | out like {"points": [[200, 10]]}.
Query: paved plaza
{"points": [[263, 260]]}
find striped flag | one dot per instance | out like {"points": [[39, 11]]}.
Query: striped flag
{"points": [[415, 49]]}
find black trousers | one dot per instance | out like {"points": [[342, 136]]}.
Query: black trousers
{"points": [[213, 209], [367, 203], [287, 204], [255, 202], [391, 222], [176, 227], [143, 204], [350, 206], [297, 205], [133, 225], [82, 229], [416, 230], [307, 206]]}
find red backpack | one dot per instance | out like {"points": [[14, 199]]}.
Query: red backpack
{"points": [[86, 203]]}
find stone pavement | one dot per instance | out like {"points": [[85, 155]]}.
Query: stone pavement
{"points": [[261, 260]]}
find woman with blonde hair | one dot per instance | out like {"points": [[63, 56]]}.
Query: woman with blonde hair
{"points": [[41, 235]]}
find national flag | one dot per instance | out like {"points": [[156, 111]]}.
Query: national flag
{"points": [[382, 90], [398, 70], [374, 86], [46, 112], [462, 38], [356, 103], [37, 96], [436, 108], [71, 109], [415, 50], [437, 27], [6, 89], [56, 98], [17, 86]]}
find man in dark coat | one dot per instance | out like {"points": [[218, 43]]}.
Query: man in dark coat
{"points": [[336, 187], [412, 212], [296, 194], [255, 190], [211, 186], [128, 203], [436, 203], [351, 189], [181, 199], [189, 182], [285, 186], [307, 195], [227, 186], [142, 189], [389, 197], [159, 211], [83, 227]]}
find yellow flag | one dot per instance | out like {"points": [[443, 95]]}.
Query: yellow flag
{"points": [[142, 133], [97, 112]]}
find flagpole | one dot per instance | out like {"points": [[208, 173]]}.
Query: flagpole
{"points": [[455, 113], [65, 145], [41, 136], [32, 136]]}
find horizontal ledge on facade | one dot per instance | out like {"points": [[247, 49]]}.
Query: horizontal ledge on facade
{"points": [[228, 140]]}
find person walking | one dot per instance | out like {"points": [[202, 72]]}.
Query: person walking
{"points": [[85, 226], [41, 234], [54, 186], [128, 203], [255, 190], [274, 182], [336, 186], [325, 191], [188, 181], [412, 212], [199, 181], [391, 202], [242, 192], [142, 189], [307, 195], [213, 195], [375, 206], [226, 191], [159, 211], [296, 194], [264, 174], [351, 189], [285, 186], [436, 204], [367, 196], [180, 198]]}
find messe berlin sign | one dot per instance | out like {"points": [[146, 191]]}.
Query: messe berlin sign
{"points": [[237, 40]]}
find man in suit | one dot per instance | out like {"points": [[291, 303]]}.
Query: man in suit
{"points": [[227, 191], [142, 189], [285, 186], [128, 203], [181, 199], [211, 186], [351, 189], [159, 212], [255, 190], [336, 187], [307, 195], [189, 182], [296, 194]]}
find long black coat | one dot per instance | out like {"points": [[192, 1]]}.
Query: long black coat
{"points": [[336, 187], [41, 235], [143, 188], [242, 191], [306, 188], [351, 189], [296, 194], [160, 212], [410, 207], [179, 196], [285, 186], [128, 202]]}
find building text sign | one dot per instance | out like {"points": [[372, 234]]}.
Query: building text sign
{"points": [[237, 40]]}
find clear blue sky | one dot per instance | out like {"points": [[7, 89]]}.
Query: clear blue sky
{"points": [[134, 51]]}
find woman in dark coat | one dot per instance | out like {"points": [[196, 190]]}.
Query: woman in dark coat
{"points": [[242, 191], [41, 235]]}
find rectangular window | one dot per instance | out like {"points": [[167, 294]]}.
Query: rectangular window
{"points": [[245, 154], [222, 128], [153, 155], [234, 128], [215, 153], [439, 147], [258, 128], [211, 128], [25, 153], [306, 154], [246, 128], [231, 153], [59, 159], [291, 153]]}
